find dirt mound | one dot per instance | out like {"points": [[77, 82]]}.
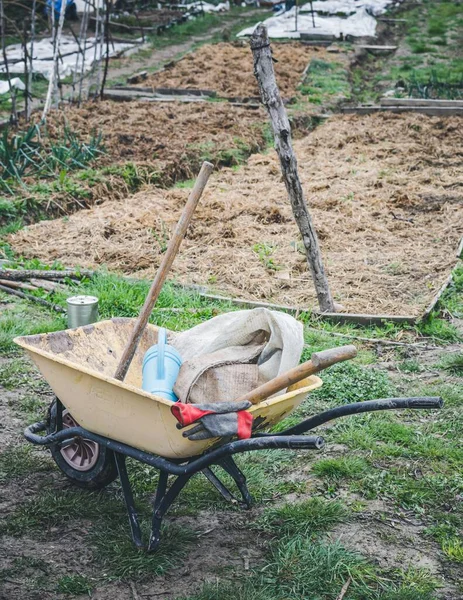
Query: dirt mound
{"points": [[228, 69], [170, 140], [386, 248]]}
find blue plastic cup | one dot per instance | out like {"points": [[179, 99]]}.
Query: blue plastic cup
{"points": [[161, 365]]}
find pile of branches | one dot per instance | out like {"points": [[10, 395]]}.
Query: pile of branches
{"points": [[18, 283]]}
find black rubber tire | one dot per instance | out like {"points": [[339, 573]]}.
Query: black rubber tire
{"points": [[99, 476]]}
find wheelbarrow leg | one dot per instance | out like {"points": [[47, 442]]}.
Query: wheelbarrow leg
{"points": [[219, 486], [230, 466], [129, 501], [162, 503]]}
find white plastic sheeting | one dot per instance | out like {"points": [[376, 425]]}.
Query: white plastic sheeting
{"points": [[207, 7], [335, 17], [69, 49], [348, 7], [15, 83]]}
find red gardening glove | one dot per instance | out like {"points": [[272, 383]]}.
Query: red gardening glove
{"points": [[220, 419]]}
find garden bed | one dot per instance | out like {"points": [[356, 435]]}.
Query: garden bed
{"points": [[385, 199], [167, 138], [227, 69]]}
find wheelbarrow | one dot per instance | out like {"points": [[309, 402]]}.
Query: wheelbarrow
{"points": [[97, 421]]}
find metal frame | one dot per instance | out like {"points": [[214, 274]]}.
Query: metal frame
{"points": [[220, 456]]}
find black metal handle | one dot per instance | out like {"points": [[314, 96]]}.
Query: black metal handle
{"points": [[425, 402], [193, 464]]}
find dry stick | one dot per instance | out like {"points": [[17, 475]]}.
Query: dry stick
{"points": [[265, 75], [163, 270], [23, 274], [14, 115], [319, 361], [344, 589], [18, 285], [55, 307]]}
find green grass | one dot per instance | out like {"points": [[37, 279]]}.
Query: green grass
{"points": [[109, 537], [74, 585], [299, 568], [302, 518], [228, 23], [453, 363], [348, 467], [17, 462], [430, 63], [325, 82], [120, 559]]}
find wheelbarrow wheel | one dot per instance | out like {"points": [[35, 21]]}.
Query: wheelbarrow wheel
{"points": [[86, 463]]}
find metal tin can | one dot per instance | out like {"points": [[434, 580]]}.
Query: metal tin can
{"points": [[82, 310]]}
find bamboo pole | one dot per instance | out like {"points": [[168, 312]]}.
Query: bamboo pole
{"points": [[80, 52], [14, 114], [27, 96], [52, 85], [270, 94], [84, 33], [31, 58], [106, 64]]}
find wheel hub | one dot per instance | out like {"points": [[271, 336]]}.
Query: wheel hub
{"points": [[82, 454]]}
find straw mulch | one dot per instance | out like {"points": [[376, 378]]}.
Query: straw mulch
{"points": [[228, 70], [386, 196], [168, 141]]}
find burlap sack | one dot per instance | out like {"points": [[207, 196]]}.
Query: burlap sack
{"points": [[233, 353]]}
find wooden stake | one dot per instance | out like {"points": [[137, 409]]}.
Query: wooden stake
{"points": [[270, 94], [163, 270]]}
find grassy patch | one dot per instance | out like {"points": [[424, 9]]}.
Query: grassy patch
{"points": [[430, 63], [302, 518], [453, 363], [326, 82], [120, 559], [14, 373], [348, 467], [17, 462], [74, 585], [348, 382]]}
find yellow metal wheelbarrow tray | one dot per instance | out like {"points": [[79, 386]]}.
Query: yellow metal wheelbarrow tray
{"points": [[97, 421]]}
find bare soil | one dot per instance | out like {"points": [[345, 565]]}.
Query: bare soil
{"points": [[227, 69], [386, 196]]}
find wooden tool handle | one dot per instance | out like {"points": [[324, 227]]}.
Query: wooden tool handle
{"points": [[319, 361], [163, 270]]}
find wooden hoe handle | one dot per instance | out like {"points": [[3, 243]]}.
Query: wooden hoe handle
{"points": [[319, 361], [163, 270]]}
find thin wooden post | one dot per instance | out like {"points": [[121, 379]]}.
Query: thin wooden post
{"points": [[270, 95], [106, 64], [163, 270]]}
